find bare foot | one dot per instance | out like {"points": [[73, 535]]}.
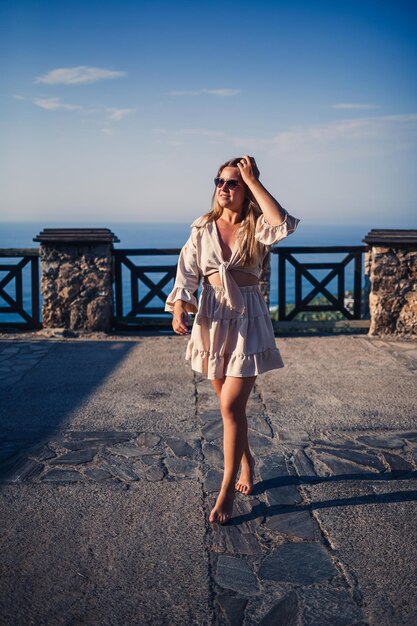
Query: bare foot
{"points": [[222, 510], [245, 482]]}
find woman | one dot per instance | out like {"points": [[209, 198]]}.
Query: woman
{"points": [[232, 339]]}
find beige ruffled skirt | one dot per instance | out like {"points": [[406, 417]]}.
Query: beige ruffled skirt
{"points": [[224, 342]]}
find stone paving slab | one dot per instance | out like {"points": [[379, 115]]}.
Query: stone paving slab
{"points": [[114, 386], [372, 529], [96, 553], [348, 382], [106, 487]]}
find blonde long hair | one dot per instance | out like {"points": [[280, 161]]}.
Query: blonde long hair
{"points": [[251, 210]]}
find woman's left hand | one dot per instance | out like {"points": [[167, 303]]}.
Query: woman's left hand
{"points": [[248, 169]]}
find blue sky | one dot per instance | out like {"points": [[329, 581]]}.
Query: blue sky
{"points": [[123, 111]]}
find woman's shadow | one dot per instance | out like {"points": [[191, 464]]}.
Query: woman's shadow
{"points": [[292, 502]]}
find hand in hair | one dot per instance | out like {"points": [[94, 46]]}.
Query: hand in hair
{"points": [[248, 169]]}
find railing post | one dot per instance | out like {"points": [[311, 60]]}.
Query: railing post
{"points": [[265, 279], [391, 263], [357, 280], [34, 269], [282, 297], [76, 266]]}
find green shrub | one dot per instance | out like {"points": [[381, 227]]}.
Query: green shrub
{"points": [[314, 316]]}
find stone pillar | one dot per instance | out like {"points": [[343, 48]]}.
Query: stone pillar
{"points": [[265, 279], [77, 276], [391, 264]]}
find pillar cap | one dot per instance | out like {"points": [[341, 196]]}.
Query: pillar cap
{"points": [[76, 235], [391, 236]]}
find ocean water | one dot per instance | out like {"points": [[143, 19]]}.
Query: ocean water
{"points": [[173, 235]]}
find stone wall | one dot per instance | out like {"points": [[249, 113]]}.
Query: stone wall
{"points": [[393, 299], [77, 276], [77, 286], [265, 279]]}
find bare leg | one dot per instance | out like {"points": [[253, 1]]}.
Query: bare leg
{"points": [[218, 385], [234, 395], [245, 482]]}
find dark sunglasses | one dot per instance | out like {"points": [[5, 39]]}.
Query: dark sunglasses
{"points": [[231, 183]]}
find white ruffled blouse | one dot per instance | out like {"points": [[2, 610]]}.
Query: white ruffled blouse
{"points": [[202, 255]]}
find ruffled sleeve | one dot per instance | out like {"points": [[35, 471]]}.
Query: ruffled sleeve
{"points": [[267, 234], [187, 278]]}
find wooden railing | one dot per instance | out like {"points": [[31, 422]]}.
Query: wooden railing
{"points": [[127, 309], [140, 298], [19, 288], [337, 268]]}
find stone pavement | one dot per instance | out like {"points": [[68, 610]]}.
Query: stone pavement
{"points": [[111, 459]]}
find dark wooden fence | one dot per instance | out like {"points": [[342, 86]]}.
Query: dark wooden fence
{"points": [[336, 269], [19, 288], [140, 294], [139, 304]]}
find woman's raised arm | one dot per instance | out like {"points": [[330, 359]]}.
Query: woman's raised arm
{"points": [[272, 210]]}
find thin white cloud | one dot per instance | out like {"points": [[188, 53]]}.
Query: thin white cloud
{"points": [[185, 93], [118, 114], [19, 97], [54, 104], [109, 132], [358, 127], [323, 132], [371, 136], [181, 132], [77, 75], [354, 105], [222, 93], [202, 132], [401, 117]]}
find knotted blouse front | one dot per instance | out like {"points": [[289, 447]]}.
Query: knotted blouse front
{"points": [[202, 255]]}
